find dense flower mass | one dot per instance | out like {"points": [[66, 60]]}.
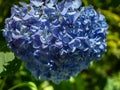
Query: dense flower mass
{"points": [[55, 39]]}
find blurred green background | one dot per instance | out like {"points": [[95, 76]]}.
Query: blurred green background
{"points": [[101, 75]]}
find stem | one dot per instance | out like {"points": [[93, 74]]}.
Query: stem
{"points": [[31, 85], [19, 85], [3, 83]]}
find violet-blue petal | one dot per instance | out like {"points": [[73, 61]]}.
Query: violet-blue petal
{"points": [[56, 39]]}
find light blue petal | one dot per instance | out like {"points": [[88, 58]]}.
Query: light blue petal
{"points": [[37, 3]]}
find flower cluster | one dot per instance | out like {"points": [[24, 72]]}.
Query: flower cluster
{"points": [[56, 39]]}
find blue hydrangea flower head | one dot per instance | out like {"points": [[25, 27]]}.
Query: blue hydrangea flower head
{"points": [[56, 39]]}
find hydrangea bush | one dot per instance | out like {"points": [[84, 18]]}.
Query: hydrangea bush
{"points": [[56, 39]]}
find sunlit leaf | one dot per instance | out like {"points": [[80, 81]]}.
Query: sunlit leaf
{"points": [[11, 67], [4, 59], [112, 17]]}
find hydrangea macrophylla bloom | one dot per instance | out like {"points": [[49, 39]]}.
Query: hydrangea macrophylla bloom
{"points": [[55, 39]]}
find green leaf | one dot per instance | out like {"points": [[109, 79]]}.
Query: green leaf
{"points": [[11, 68], [4, 59]]}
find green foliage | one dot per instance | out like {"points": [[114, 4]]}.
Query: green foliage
{"points": [[114, 44], [31, 86], [113, 83], [112, 17], [11, 68], [102, 75], [4, 59]]}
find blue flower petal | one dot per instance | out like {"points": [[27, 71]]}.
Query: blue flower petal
{"points": [[37, 3], [56, 39]]}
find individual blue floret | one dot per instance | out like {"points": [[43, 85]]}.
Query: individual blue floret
{"points": [[55, 39]]}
